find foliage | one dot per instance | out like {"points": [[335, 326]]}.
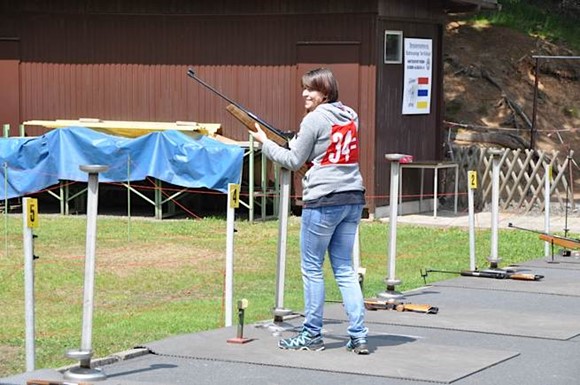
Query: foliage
{"points": [[546, 19]]}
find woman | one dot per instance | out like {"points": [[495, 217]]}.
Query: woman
{"points": [[333, 199]]}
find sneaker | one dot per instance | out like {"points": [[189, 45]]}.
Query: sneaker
{"points": [[302, 341], [357, 345]]}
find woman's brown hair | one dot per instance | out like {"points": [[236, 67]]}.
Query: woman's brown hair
{"points": [[323, 81]]}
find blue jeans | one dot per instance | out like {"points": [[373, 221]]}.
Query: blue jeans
{"points": [[332, 229]]}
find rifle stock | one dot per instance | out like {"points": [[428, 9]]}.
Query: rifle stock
{"points": [[567, 243], [563, 242], [375, 304], [250, 123], [525, 276]]}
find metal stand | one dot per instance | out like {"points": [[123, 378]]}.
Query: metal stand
{"points": [[280, 311], [29, 220], [494, 259], [472, 185], [84, 372], [567, 252], [239, 339], [390, 294]]}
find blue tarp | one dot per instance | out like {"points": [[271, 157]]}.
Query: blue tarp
{"points": [[33, 164]]}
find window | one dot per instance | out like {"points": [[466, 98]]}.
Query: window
{"points": [[393, 47]]}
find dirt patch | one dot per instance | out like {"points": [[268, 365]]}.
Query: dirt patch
{"points": [[9, 356], [490, 84]]}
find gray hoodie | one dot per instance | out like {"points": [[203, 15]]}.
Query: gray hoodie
{"points": [[333, 157]]}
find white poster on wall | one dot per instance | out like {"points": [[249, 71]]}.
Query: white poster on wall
{"points": [[417, 76]]}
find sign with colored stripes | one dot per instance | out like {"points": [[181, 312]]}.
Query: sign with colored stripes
{"points": [[418, 75]]}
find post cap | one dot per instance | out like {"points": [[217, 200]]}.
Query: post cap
{"points": [[496, 151], [93, 168], [401, 158]]}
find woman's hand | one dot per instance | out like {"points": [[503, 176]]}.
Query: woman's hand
{"points": [[259, 134]]}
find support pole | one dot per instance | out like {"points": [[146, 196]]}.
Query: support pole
{"points": [[84, 372], [472, 185], [547, 180], [285, 179], [494, 259], [29, 216], [390, 293], [233, 204]]}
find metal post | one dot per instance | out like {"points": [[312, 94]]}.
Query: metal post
{"points": [[547, 180], [128, 197], [28, 282], [84, 372], [472, 185], [229, 279], [534, 105], [391, 280], [494, 259], [251, 182], [6, 130], [285, 180]]}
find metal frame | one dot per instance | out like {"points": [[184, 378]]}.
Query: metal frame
{"points": [[435, 166]]}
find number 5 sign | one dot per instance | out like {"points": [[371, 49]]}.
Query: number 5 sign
{"points": [[32, 212]]}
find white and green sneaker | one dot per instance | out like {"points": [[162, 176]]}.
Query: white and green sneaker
{"points": [[302, 341], [357, 345]]}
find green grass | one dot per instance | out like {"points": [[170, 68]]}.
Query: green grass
{"points": [[537, 18], [166, 277]]}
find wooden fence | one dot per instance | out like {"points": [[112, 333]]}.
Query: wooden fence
{"points": [[522, 177]]}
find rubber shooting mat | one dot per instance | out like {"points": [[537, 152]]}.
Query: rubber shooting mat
{"points": [[558, 262], [392, 356], [555, 281], [483, 311]]}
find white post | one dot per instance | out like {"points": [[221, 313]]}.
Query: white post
{"points": [[285, 180], [548, 177], [85, 372], [233, 202], [472, 185], [494, 258], [391, 280], [29, 214]]}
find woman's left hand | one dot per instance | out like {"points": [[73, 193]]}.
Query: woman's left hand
{"points": [[259, 134]]}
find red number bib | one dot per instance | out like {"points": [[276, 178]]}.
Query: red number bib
{"points": [[343, 148]]}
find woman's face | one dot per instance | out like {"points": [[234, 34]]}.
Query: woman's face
{"points": [[312, 99]]}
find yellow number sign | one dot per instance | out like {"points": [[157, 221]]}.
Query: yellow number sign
{"points": [[234, 193], [32, 210], [472, 179]]}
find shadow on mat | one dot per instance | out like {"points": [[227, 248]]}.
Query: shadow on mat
{"points": [[150, 368], [373, 341]]}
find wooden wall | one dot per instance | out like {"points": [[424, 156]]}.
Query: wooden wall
{"points": [[127, 60]]}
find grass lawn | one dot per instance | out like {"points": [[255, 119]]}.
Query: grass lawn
{"points": [[160, 278]]}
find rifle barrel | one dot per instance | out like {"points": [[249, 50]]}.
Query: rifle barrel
{"points": [[191, 74]]}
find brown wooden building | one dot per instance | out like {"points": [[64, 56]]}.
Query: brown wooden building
{"points": [[127, 60]]}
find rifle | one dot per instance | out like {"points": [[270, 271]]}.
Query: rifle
{"points": [[249, 119], [496, 274], [567, 243], [376, 304]]}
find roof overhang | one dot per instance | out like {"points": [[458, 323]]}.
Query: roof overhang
{"points": [[454, 6]]}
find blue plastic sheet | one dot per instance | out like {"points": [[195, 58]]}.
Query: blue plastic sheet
{"points": [[34, 164]]}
